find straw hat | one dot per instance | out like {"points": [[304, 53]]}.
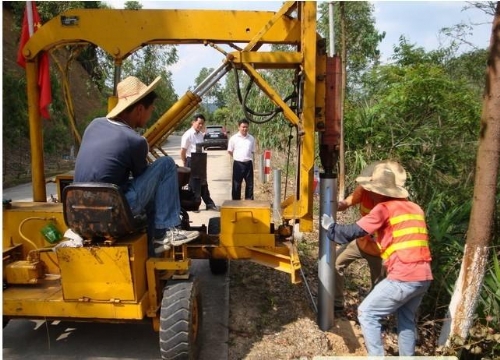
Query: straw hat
{"points": [[131, 90], [394, 166], [383, 182]]}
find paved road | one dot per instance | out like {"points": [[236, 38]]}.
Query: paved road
{"points": [[25, 339]]}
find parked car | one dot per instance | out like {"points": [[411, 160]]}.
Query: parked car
{"points": [[215, 137]]}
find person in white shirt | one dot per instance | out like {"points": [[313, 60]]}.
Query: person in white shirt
{"points": [[241, 147], [189, 140]]}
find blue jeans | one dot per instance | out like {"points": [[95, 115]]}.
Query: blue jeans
{"points": [[156, 191], [388, 297]]}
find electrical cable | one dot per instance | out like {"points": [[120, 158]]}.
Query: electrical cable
{"points": [[250, 113]]}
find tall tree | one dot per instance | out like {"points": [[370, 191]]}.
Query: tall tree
{"points": [[480, 233]]}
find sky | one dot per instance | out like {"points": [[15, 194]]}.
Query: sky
{"points": [[418, 21]]}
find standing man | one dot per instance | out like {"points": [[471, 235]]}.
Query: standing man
{"points": [[241, 147], [402, 236], [189, 140], [113, 152]]}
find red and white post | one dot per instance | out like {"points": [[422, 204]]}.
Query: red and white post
{"points": [[267, 165]]}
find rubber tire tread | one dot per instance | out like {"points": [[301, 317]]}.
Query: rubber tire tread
{"points": [[176, 317]]}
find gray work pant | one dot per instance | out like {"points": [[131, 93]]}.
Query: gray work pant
{"points": [[345, 256]]}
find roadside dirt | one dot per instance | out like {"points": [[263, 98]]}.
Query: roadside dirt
{"points": [[271, 318]]}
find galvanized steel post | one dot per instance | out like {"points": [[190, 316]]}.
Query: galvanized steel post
{"points": [[327, 255], [277, 196]]}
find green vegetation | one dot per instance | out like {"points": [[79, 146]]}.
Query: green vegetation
{"points": [[422, 109]]}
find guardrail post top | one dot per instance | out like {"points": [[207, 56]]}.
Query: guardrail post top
{"points": [[267, 165]]}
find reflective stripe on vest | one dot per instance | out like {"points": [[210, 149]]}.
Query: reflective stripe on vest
{"points": [[403, 245], [400, 218], [409, 232]]}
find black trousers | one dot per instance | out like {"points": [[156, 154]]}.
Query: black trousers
{"points": [[205, 193], [242, 171]]}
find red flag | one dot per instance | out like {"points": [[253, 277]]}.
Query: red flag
{"points": [[43, 61]]}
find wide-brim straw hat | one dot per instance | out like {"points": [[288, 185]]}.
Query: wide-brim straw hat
{"points": [[129, 91], [396, 168], [383, 182]]}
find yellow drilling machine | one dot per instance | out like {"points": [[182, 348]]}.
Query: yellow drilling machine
{"points": [[111, 277]]}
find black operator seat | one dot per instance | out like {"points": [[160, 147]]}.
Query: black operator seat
{"points": [[99, 210]]}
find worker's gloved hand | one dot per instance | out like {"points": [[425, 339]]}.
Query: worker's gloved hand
{"points": [[326, 221]]}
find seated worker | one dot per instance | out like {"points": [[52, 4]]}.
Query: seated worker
{"points": [[113, 152], [403, 240], [362, 248]]}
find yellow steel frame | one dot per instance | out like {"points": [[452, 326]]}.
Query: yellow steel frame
{"points": [[120, 33]]}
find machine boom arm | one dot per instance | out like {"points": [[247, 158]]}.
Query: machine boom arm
{"points": [[121, 32]]}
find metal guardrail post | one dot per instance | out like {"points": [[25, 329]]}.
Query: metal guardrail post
{"points": [[327, 254], [277, 196]]}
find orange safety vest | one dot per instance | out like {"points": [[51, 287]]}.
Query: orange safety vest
{"points": [[365, 243], [407, 227]]}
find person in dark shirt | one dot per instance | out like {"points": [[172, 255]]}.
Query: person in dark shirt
{"points": [[113, 152]]}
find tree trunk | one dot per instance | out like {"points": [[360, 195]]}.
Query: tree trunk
{"points": [[479, 235]]}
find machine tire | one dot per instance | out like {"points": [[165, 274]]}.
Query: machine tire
{"points": [[180, 320], [217, 266]]}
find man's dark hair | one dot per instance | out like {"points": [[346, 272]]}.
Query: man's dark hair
{"points": [[199, 116], [148, 100], [243, 121]]}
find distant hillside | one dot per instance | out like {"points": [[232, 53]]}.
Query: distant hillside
{"points": [[87, 102]]}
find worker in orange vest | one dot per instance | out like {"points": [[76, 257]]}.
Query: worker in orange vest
{"points": [[403, 240], [364, 247]]}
